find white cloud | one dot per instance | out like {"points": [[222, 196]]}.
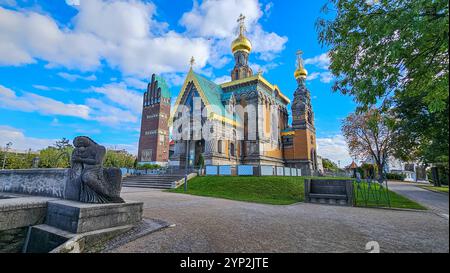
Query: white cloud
{"points": [[216, 19], [136, 83], [222, 79], [121, 95], [20, 141], [175, 79], [124, 34], [108, 114], [27, 35], [334, 148], [29, 102], [326, 77], [121, 32], [321, 61], [74, 77], [94, 109], [115, 21], [264, 68]]}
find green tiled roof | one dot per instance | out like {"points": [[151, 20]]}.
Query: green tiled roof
{"points": [[165, 91], [213, 93]]}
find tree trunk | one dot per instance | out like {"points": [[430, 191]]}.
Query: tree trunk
{"points": [[380, 172], [435, 176]]}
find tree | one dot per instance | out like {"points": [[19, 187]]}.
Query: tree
{"points": [[394, 54], [389, 47], [369, 135], [421, 134], [52, 157], [119, 159], [56, 156], [18, 160], [329, 165]]}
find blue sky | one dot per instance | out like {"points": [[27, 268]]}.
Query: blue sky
{"points": [[74, 67]]}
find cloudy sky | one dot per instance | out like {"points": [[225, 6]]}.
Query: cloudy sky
{"points": [[73, 67]]}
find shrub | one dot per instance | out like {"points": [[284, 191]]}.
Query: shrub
{"points": [[395, 176]]}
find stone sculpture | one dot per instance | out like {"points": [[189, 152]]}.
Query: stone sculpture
{"points": [[89, 182]]}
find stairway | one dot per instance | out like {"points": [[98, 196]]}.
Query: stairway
{"points": [[163, 181]]}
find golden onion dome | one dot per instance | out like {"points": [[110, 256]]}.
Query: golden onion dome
{"points": [[300, 72], [241, 43]]}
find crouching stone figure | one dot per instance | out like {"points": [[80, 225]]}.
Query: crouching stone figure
{"points": [[89, 181]]}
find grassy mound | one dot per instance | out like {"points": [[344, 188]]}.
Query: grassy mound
{"points": [[275, 190]]}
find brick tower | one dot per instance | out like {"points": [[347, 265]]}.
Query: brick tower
{"points": [[154, 137], [302, 136]]}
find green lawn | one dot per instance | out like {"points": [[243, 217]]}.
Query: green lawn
{"points": [[267, 189], [273, 190], [443, 189], [365, 198]]}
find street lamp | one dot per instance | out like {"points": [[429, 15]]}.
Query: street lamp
{"points": [[9, 144]]}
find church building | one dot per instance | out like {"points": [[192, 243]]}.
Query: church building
{"points": [[244, 121]]}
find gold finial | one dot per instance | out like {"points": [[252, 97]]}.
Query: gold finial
{"points": [[299, 58], [260, 72], [241, 43], [241, 21], [192, 61], [300, 71]]}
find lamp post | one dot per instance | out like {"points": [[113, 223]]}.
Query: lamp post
{"points": [[9, 144], [186, 165]]}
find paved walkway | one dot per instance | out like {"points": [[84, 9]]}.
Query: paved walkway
{"points": [[206, 224], [437, 202]]}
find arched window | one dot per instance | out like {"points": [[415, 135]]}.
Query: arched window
{"points": [[232, 151], [219, 146]]}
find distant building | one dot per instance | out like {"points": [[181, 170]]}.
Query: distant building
{"points": [[154, 137], [413, 171]]}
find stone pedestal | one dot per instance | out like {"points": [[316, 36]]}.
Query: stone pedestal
{"points": [[77, 217], [83, 223]]}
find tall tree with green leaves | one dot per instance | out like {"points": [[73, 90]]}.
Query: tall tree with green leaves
{"points": [[394, 54]]}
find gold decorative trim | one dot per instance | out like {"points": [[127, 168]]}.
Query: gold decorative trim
{"points": [[290, 133], [259, 78]]}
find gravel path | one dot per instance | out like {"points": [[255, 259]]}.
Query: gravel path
{"points": [[206, 224], [437, 202]]}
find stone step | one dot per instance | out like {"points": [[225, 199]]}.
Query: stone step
{"points": [[154, 179], [147, 186], [156, 184]]}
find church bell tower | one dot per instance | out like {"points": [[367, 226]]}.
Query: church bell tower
{"points": [[241, 48], [303, 120]]}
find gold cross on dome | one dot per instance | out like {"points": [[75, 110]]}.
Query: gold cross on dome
{"points": [[241, 21], [299, 58]]}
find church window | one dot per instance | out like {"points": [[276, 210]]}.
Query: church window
{"points": [[219, 146], [232, 151]]}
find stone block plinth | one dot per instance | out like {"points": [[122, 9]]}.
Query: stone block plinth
{"points": [[76, 217]]}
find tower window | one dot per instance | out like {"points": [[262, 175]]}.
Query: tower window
{"points": [[232, 152]]}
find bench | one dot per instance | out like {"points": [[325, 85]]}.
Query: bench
{"points": [[329, 191]]}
